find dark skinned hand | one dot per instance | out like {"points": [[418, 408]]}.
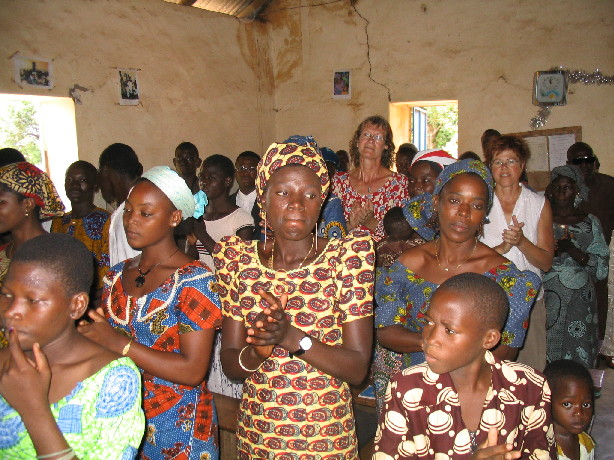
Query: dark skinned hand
{"points": [[270, 326], [490, 450], [98, 329], [564, 245], [21, 376]]}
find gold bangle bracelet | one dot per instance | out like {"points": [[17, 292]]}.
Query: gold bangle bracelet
{"points": [[241, 363], [127, 347]]}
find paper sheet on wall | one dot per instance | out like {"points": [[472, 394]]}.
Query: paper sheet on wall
{"points": [[538, 145], [559, 144]]}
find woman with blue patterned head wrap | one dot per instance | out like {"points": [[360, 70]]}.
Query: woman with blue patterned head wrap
{"points": [[580, 259], [451, 220], [160, 309]]}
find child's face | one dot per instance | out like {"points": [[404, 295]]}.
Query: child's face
{"points": [[422, 178], [452, 339], [572, 406], [32, 304]]}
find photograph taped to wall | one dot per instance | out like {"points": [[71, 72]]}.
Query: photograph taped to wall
{"points": [[128, 87], [34, 72], [342, 88]]}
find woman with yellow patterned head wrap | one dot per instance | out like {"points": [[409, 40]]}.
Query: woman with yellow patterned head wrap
{"points": [[26, 195], [297, 314]]}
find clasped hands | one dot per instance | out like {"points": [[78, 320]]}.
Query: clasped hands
{"points": [[270, 327], [512, 235], [362, 214], [564, 245]]}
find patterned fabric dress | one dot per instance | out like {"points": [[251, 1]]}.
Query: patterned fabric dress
{"points": [[402, 298], [4, 260], [101, 418], [290, 410], [391, 194], [422, 417], [332, 220], [93, 231], [587, 448], [607, 348], [571, 303], [4, 269], [181, 420]]}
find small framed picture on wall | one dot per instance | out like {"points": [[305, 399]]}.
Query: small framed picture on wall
{"points": [[34, 72], [128, 87], [342, 87]]}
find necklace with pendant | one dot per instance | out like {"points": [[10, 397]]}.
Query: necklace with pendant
{"points": [[271, 259], [140, 280], [447, 269]]}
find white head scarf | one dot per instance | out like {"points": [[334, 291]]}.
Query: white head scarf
{"points": [[174, 187]]}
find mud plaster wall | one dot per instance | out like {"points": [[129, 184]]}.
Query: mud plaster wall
{"points": [[228, 86], [202, 75], [482, 54]]}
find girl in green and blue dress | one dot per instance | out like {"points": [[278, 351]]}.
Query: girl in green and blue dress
{"points": [[63, 396]]}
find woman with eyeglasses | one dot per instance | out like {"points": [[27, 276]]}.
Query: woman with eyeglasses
{"points": [[370, 189], [520, 228]]}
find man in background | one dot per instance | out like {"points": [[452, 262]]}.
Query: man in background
{"points": [[119, 169], [246, 167]]}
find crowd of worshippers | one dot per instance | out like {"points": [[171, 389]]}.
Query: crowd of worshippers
{"points": [[470, 304]]}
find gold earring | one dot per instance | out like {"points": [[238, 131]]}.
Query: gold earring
{"points": [[27, 214]]}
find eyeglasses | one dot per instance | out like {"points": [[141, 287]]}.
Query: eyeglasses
{"points": [[509, 163], [583, 160], [250, 169], [377, 138]]}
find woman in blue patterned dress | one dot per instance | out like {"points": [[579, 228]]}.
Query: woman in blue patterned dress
{"points": [[160, 309], [581, 258], [451, 221]]}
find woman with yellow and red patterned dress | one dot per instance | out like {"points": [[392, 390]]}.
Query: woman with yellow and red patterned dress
{"points": [[297, 317]]}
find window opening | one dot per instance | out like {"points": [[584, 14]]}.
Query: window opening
{"points": [[43, 129], [426, 124]]}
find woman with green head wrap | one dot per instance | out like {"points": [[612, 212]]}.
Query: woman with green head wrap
{"points": [[580, 259]]}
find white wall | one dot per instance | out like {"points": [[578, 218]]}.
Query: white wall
{"points": [[199, 76], [481, 53], [229, 86]]}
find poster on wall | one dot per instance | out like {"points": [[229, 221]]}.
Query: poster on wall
{"points": [[341, 84], [128, 87], [33, 72]]}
